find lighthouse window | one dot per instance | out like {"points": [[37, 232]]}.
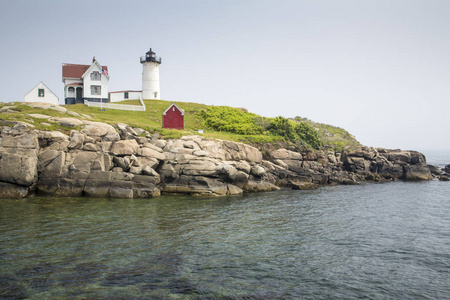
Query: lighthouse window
{"points": [[41, 92], [96, 90], [96, 76]]}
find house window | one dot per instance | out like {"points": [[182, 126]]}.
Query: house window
{"points": [[71, 91], [96, 76], [41, 92], [96, 90], [125, 95]]}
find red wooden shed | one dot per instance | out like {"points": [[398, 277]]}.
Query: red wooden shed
{"points": [[173, 117]]}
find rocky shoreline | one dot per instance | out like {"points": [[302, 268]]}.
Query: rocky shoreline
{"points": [[99, 160]]}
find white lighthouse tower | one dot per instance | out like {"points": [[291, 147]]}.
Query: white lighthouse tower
{"points": [[150, 75]]}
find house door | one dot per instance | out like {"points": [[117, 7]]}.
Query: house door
{"points": [[79, 93]]}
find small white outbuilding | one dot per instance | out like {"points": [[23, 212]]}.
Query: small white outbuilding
{"points": [[41, 93]]}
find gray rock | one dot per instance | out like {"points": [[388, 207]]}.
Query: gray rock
{"points": [[82, 162], [76, 140], [400, 156], [59, 109], [200, 167], [48, 138], [12, 191], [197, 185], [136, 170], [285, 154], [67, 122], [122, 148], [228, 171], [239, 151], [159, 143], [147, 170], [257, 171], [444, 178], [61, 187], [123, 162], [299, 185], [39, 116], [73, 114], [259, 186], [13, 139], [150, 152], [18, 166], [447, 169], [104, 131], [435, 170], [51, 163], [418, 171], [91, 147], [200, 153]]}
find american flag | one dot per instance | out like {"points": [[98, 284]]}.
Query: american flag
{"points": [[104, 72]]}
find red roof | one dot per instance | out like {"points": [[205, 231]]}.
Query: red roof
{"points": [[75, 83], [75, 71]]}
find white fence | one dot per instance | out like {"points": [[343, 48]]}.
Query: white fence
{"points": [[117, 106]]}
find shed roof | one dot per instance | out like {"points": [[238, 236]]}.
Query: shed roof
{"points": [[173, 104]]}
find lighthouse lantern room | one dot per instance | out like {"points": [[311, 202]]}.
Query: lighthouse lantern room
{"points": [[150, 75]]}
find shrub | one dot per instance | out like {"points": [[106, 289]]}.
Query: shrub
{"points": [[308, 134], [229, 119], [295, 132]]}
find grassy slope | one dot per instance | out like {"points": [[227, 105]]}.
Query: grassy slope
{"points": [[150, 120]]}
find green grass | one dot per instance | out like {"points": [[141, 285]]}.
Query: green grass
{"points": [[151, 120]]}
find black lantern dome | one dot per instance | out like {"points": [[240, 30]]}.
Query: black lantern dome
{"points": [[150, 56]]}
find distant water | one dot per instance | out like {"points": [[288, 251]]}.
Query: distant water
{"points": [[439, 158], [374, 241]]}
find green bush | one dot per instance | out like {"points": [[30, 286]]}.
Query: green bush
{"points": [[283, 127], [295, 132], [229, 119], [308, 134]]}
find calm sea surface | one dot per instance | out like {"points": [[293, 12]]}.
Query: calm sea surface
{"points": [[375, 241]]}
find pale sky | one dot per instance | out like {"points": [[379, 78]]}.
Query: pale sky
{"points": [[378, 68]]}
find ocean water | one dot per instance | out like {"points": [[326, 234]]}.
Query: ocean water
{"points": [[374, 241]]}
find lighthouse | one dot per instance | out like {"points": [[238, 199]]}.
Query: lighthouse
{"points": [[150, 75]]}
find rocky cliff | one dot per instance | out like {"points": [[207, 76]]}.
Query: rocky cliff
{"points": [[99, 160]]}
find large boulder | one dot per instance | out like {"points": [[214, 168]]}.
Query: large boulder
{"points": [[61, 187], [447, 169], [417, 172], [18, 166], [76, 140], [259, 186], [99, 130], [51, 163], [12, 191], [283, 154], [150, 150], [124, 147], [198, 185], [67, 122], [239, 151]]}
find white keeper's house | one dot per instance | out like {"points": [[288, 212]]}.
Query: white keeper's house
{"points": [[85, 82]]}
